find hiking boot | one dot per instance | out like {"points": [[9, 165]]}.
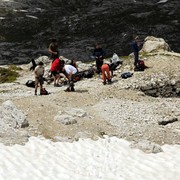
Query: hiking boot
{"points": [[65, 82], [109, 81], [57, 85], [104, 82], [67, 90], [35, 93], [72, 89]]}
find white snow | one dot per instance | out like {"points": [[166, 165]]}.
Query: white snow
{"points": [[105, 159]]}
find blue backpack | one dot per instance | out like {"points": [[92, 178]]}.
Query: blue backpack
{"points": [[126, 75]]}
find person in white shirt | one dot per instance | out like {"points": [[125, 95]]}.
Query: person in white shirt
{"points": [[70, 71], [38, 73]]}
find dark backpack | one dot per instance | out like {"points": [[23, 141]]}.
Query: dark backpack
{"points": [[43, 91], [84, 74], [126, 75], [113, 66], [30, 83], [78, 76], [141, 66], [89, 73]]}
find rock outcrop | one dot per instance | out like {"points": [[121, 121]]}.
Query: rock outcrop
{"points": [[11, 124], [147, 147], [153, 44]]}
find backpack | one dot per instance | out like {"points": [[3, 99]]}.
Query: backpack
{"points": [[43, 91], [126, 75], [88, 73], [78, 76], [141, 66], [113, 66], [30, 83]]}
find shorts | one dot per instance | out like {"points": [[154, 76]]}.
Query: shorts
{"points": [[54, 73], [39, 80]]}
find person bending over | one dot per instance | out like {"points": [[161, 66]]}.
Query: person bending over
{"points": [[106, 73], [70, 72], [55, 69]]}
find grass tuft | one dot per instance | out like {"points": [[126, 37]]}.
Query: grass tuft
{"points": [[8, 75]]}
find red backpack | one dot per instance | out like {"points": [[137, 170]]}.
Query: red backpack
{"points": [[44, 92], [141, 65]]}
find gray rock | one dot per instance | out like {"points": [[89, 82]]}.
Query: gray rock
{"points": [[61, 139], [82, 135], [76, 112], [167, 120], [65, 119], [11, 116], [153, 44], [147, 147]]}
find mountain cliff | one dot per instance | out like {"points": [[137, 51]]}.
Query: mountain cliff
{"points": [[28, 25]]}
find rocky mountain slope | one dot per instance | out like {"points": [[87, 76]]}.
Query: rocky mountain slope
{"points": [[28, 26], [145, 107]]}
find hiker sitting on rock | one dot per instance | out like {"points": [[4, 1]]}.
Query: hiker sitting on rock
{"points": [[39, 72], [73, 63], [114, 63], [70, 72], [106, 73], [54, 49]]}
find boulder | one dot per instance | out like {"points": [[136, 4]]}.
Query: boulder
{"points": [[65, 119], [153, 44], [11, 120], [11, 116], [147, 146], [44, 59], [76, 112]]}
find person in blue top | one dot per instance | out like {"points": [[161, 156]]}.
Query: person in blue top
{"points": [[135, 48]]}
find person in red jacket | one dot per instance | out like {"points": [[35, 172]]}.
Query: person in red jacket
{"points": [[106, 73], [55, 69]]}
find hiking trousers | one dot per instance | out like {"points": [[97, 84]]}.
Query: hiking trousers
{"points": [[136, 58], [105, 72], [99, 63]]}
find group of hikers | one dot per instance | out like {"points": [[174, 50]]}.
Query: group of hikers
{"points": [[60, 70]]}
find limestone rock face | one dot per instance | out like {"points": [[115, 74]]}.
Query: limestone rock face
{"points": [[28, 26], [153, 44]]}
